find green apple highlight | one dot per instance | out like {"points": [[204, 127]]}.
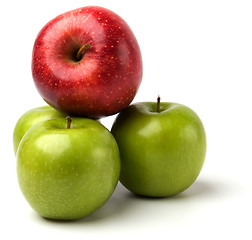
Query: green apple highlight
{"points": [[30, 118], [67, 170], [162, 147]]}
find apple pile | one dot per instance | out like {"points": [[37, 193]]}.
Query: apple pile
{"points": [[86, 64]]}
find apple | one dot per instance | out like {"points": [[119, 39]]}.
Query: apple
{"points": [[66, 170], [30, 118], [162, 147], [87, 62]]}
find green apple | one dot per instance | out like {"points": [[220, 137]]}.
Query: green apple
{"points": [[30, 118], [162, 147], [67, 171]]}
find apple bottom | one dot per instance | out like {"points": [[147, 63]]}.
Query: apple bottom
{"points": [[67, 174], [164, 182]]}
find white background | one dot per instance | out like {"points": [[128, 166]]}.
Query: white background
{"points": [[198, 53]]}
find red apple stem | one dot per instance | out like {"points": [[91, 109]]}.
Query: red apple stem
{"points": [[81, 51], [69, 120], [158, 104]]}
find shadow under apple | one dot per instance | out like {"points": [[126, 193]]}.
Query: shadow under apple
{"points": [[123, 202]]}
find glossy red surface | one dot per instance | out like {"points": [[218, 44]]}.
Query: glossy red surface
{"points": [[107, 77]]}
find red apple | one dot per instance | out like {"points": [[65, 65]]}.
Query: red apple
{"points": [[87, 62]]}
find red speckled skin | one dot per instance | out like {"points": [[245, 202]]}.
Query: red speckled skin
{"points": [[108, 76]]}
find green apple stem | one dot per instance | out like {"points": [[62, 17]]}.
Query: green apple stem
{"points": [[158, 104], [69, 120], [81, 51]]}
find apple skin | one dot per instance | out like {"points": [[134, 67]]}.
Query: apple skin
{"points": [[161, 153], [67, 174], [30, 118], [107, 77]]}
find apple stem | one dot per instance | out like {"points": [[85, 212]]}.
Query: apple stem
{"points": [[158, 104], [81, 51], [69, 120]]}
